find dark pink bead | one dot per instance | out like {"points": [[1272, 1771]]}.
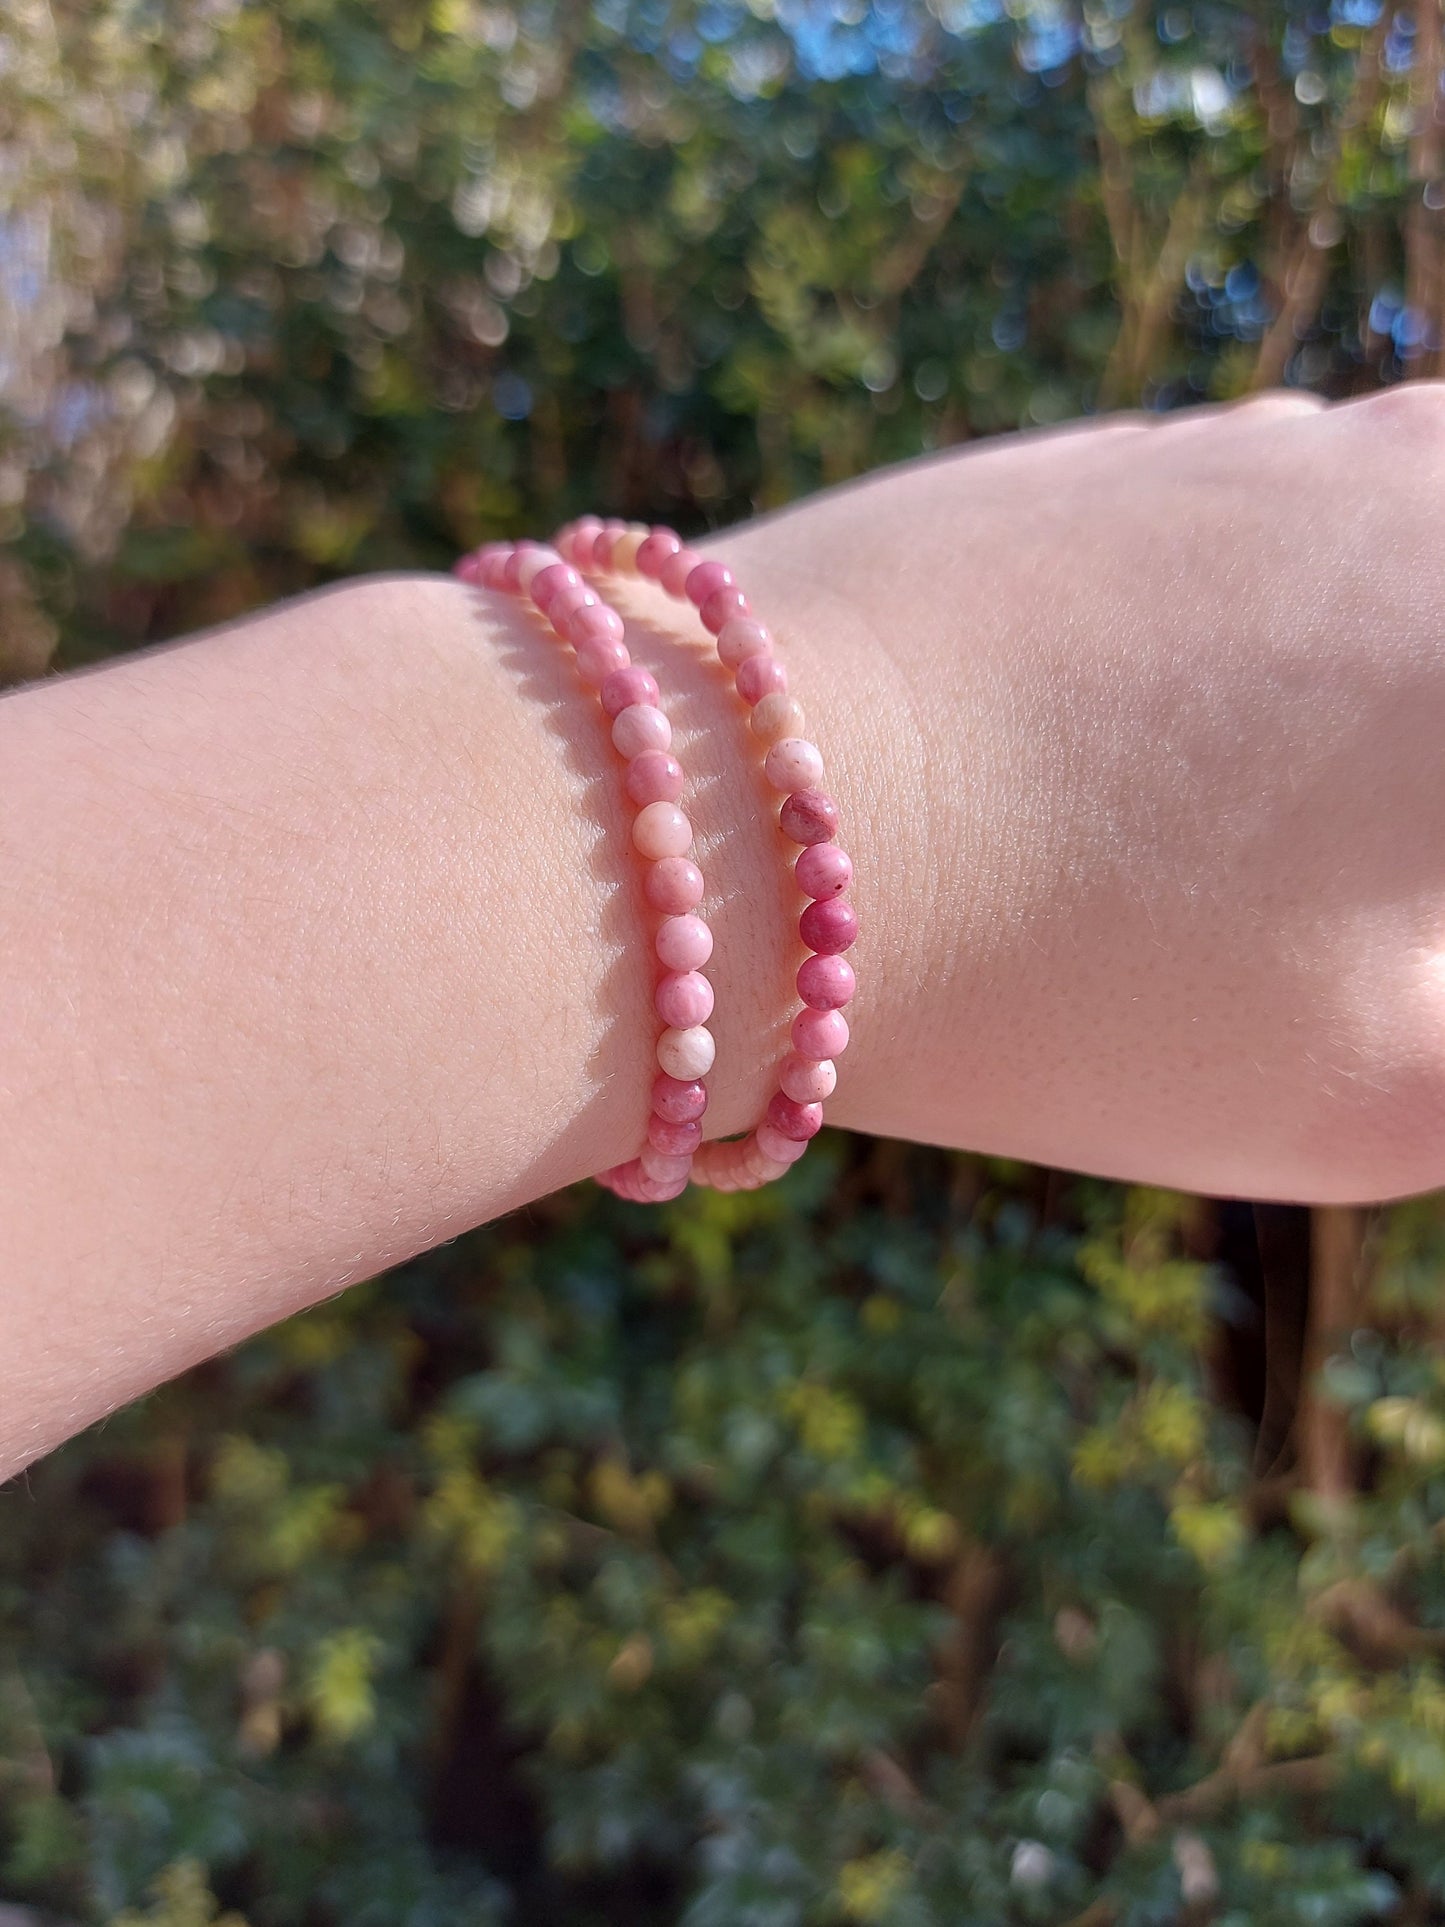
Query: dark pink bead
{"points": [[705, 579], [494, 567], [595, 620], [654, 777], [760, 676], [793, 1120], [674, 1139], [549, 581], [823, 871], [809, 816], [677, 568], [654, 550], [468, 568], [826, 983], [676, 1100], [829, 926], [626, 687], [720, 608]]}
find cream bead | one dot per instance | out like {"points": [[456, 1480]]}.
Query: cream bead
{"points": [[777, 716], [793, 763], [687, 1053]]}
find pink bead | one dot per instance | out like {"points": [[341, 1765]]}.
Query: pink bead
{"points": [[494, 568], [655, 551], [596, 620], [626, 687], [685, 1054], [600, 657], [604, 539], [824, 983], [760, 676], [650, 1191], [566, 604], [638, 727], [683, 943], [781, 1150], [808, 1079], [468, 568], [820, 1033], [511, 578], [673, 886], [547, 582], [662, 1168], [793, 764], [722, 607], [677, 568], [794, 1120], [677, 1102], [532, 560], [705, 579], [661, 829], [674, 1140], [683, 998], [829, 926], [655, 777], [823, 871], [809, 816], [582, 535], [740, 638]]}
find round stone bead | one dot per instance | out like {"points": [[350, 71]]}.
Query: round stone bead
{"points": [[494, 569], [823, 871], [603, 548], [793, 763], [663, 1169], [741, 637], [676, 1101], [626, 545], [512, 567], [626, 687], [808, 1079], [566, 604], [583, 533], [673, 886], [820, 1033], [638, 727], [549, 581], [826, 983], [655, 777], [677, 568], [686, 1054], [656, 1191], [778, 1148], [722, 607], [683, 943], [531, 562], [829, 927], [600, 657], [683, 998], [760, 676], [776, 717], [597, 619], [794, 1120], [705, 579], [661, 829], [655, 550], [674, 1140], [809, 816]]}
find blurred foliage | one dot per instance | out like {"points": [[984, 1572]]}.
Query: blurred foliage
{"points": [[926, 1540]]}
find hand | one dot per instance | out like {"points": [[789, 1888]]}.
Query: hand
{"points": [[1139, 743]]}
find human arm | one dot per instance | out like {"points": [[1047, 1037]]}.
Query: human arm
{"points": [[321, 940]]}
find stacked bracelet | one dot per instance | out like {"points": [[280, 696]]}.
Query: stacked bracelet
{"points": [[552, 577], [807, 815], [673, 884]]}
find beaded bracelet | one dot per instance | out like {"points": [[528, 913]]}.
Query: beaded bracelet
{"points": [[661, 833], [807, 816]]}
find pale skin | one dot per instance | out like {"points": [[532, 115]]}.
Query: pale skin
{"points": [[320, 940]]}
